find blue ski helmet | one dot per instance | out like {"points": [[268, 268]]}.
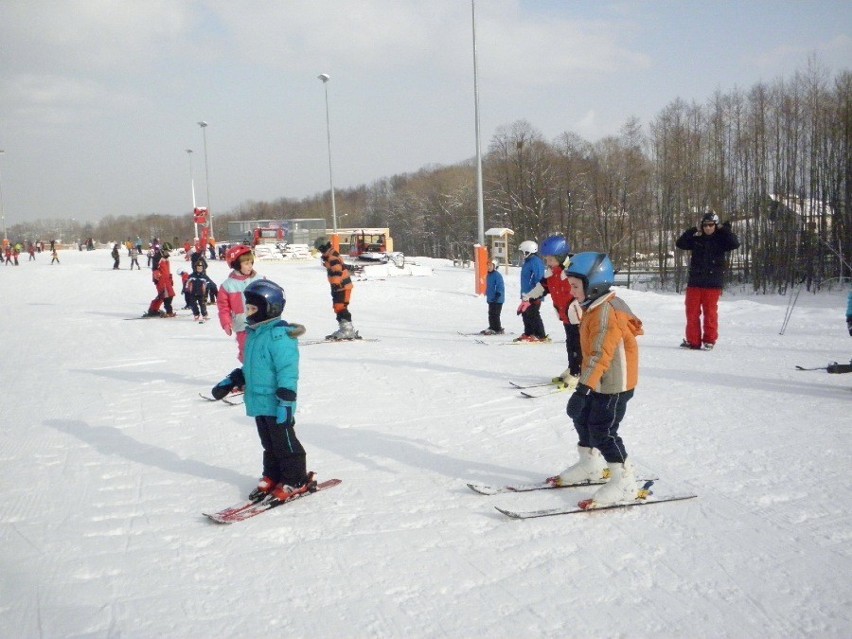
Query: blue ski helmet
{"points": [[268, 297], [596, 271], [557, 246]]}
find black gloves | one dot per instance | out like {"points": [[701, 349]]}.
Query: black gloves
{"points": [[839, 368], [234, 380], [578, 401]]}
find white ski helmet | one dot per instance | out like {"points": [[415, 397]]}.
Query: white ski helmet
{"points": [[528, 247]]}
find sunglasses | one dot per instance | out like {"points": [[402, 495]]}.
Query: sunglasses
{"points": [[709, 224]]}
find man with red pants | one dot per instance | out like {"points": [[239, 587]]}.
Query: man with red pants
{"points": [[708, 245]]}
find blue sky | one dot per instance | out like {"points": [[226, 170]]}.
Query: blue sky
{"points": [[99, 100]]}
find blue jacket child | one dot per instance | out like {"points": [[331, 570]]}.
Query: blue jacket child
{"points": [[495, 295], [270, 376], [532, 271]]}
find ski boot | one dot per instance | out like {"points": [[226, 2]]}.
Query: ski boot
{"points": [[264, 487], [284, 492], [590, 468], [345, 331], [620, 488]]}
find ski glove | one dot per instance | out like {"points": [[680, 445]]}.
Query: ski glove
{"points": [[234, 379], [578, 401], [523, 307], [284, 414]]}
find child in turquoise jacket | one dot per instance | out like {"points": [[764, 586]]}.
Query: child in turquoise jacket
{"points": [[270, 375]]}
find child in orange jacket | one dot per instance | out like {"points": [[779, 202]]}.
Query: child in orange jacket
{"points": [[609, 375]]}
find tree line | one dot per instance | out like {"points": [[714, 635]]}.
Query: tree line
{"points": [[774, 159]]}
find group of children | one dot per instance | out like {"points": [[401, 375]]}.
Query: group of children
{"points": [[603, 356]]}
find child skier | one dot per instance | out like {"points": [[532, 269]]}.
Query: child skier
{"points": [[230, 301], [196, 292], [495, 294], [555, 250], [162, 277], [609, 374], [184, 276], [341, 289], [270, 375], [530, 311]]}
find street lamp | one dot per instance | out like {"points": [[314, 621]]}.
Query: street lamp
{"points": [[335, 241], [480, 251], [203, 126], [192, 186], [2, 211]]}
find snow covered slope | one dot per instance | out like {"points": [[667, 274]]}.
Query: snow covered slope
{"points": [[108, 457]]}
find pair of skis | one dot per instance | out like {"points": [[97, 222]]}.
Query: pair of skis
{"points": [[247, 509], [539, 389], [314, 342], [233, 399], [645, 497]]}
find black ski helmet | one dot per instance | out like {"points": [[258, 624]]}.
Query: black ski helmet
{"points": [[709, 217], [268, 297], [322, 244]]}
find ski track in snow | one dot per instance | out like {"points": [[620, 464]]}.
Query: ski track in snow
{"points": [[108, 457]]}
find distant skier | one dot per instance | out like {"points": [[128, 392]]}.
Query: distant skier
{"points": [[270, 375], [610, 372], [708, 245], [134, 258], [196, 291], [532, 271], [341, 289], [162, 277], [555, 250], [495, 295], [116, 256]]}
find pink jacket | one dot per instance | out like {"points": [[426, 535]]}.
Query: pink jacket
{"points": [[231, 303]]}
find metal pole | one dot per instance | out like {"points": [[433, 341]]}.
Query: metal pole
{"points": [[192, 186], [325, 78], [480, 208], [203, 126], [2, 210]]}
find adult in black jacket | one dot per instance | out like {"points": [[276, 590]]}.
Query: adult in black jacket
{"points": [[708, 245]]}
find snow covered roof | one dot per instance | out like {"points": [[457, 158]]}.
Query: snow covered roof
{"points": [[499, 232]]}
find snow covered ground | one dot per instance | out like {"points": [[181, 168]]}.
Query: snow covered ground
{"points": [[108, 457]]}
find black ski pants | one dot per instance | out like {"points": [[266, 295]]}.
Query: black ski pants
{"points": [[284, 458], [598, 422]]}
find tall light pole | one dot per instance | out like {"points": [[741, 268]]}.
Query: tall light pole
{"points": [[480, 251], [480, 208], [2, 211], [335, 241], [203, 126], [192, 186]]}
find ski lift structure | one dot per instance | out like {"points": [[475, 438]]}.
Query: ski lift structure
{"points": [[499, 240]]}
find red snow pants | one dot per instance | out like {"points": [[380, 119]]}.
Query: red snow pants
{"points": [[702, 301]]}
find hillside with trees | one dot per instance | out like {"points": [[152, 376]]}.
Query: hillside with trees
{"points": [[774, 159]]}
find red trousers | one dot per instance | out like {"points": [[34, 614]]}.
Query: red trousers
{"points": [[702, 301]]}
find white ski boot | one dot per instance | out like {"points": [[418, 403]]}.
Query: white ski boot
{"points": [[345, 331], [566, 379], [620, 488], [591, 467]]}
